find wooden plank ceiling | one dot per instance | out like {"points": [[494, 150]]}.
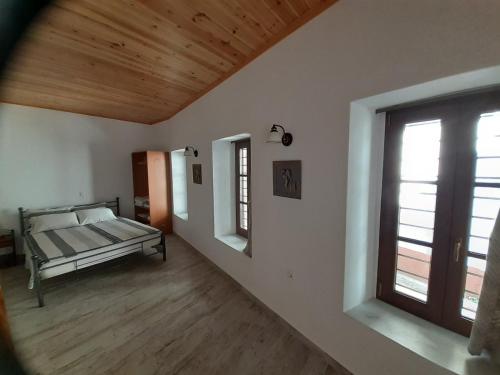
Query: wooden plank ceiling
{"points": [[143, 60]]}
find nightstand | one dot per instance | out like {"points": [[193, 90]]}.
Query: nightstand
{"points": [[8, 240]]}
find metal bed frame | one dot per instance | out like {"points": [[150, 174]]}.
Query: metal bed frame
{"points": [[37, 262]]}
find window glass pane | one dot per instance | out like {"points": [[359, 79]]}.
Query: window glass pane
{"points": [[243, 161], [244, 189], [416, 218], [417, 165], [478, 245], [179, 182], [487, 192], [473, 284], [413, 270], [418, 196], [420, 162], [485, 205], [488, 146], [487, 208], [242, 182], [488, 125], [481, 227], [243, 216], [488, 170], [416, 233]]}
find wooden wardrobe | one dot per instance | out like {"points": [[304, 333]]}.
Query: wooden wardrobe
{"points": [[152, 189]]}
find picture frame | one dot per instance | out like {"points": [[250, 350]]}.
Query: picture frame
{"points": [[287, 178], [197, 176]]}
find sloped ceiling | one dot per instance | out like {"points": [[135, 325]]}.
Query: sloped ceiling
{"points": [[143, 61]]}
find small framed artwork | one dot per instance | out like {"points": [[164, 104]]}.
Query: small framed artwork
{"points": [[197, 173], [287, 178]]}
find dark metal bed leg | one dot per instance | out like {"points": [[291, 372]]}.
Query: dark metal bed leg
{"points": [[164, 247], [117, 206], [37, 282]]}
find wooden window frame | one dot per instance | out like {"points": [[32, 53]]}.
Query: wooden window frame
{"points": [[238, 145], [452, 212]]}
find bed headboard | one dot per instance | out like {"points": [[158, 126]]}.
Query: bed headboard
{"points": [[114, 205]]}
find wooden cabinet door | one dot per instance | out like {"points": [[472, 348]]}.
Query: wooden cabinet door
{"points": [[159, 190]]}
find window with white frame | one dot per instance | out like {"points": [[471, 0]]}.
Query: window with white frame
{"points": [[179, 184]]}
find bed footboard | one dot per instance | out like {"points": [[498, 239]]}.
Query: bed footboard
{"points": [[37, 273], [37, 281]]}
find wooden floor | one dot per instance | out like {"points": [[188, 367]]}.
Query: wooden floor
{"points": [[142, 316]]}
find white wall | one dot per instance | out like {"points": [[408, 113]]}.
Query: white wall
{"points": [[355, 49], [50, 158]]}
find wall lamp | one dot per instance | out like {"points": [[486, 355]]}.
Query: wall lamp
{"points": [[279, 135], [190, 151]]}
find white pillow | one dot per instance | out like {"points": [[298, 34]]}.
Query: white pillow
{"points": [[95, 215], [53, 221]]}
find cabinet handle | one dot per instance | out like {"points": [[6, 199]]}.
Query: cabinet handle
{"points": [[458, 249]]}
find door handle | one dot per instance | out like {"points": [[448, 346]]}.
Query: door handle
{"points": [[458, 249]]}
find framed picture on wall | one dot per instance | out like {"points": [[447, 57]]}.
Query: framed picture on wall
{"points": [[287, 178], [197, 174]]}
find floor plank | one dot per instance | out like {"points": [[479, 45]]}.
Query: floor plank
{"points": [[139, 315]]}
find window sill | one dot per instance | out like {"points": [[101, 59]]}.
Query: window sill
{"points": [[234, 241], [182, 215], [438, 345]]}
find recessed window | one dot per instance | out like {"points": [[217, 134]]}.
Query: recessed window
{"points": [[242, 183], [179, 184], [231, 189], [440, 197]]}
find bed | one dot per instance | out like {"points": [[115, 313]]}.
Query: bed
{"points": [[57, 251]]}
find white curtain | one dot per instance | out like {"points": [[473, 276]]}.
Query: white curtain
{"points": [[485, 334]]}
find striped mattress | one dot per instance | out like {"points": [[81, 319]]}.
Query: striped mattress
{"points": [[69, 243]]}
